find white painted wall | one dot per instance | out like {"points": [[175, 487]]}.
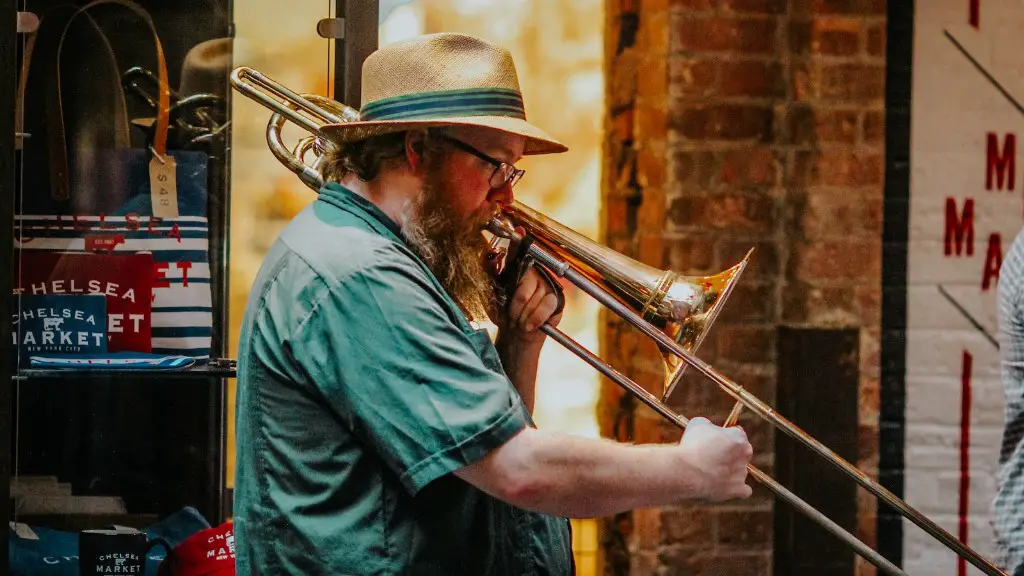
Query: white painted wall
{"points": [[954, 108]]}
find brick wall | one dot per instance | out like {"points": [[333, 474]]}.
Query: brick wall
{"points": [[735, 124]]}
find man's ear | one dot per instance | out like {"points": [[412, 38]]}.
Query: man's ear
{"points": [[415, 143]]}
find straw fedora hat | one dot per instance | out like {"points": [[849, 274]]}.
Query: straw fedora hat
{"points": [[441, 79]]}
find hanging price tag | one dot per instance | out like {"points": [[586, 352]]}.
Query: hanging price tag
{"points": [[163, 185]]}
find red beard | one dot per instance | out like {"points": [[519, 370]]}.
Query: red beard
{"points": [[453, 248]]}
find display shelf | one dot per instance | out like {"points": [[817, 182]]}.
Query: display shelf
{"points": [[217, 368]]}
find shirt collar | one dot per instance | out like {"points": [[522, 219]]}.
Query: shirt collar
{"points": [[337, 195]]}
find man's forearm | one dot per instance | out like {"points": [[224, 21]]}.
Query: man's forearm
{"points": [[580, 477], [520, 361]]}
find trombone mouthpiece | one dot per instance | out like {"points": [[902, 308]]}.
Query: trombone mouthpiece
{"points": [[502, 228]]}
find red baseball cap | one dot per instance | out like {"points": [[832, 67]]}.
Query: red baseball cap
{"points": [[209, 552]]}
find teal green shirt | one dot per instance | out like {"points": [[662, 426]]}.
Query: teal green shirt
{"points": [[361, 388]]}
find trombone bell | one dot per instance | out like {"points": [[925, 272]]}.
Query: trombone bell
{"points": [[683, 307]]}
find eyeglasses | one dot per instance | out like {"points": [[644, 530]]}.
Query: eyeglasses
{"points": [[504, 173]]}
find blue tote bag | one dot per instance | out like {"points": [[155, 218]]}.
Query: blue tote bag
{"points": [[39, 551]]}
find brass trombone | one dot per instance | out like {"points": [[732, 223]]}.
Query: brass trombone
{"points": [[673, 310]]}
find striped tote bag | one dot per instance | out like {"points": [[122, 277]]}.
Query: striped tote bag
{"points": [[181, 313]]}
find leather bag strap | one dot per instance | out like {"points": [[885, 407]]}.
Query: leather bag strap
{"points": [[56, 133]]}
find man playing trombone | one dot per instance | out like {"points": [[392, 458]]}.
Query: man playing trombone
{"points": [[379, 430]]}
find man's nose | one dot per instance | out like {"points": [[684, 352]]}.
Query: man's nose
{"points": [[501, 195]]}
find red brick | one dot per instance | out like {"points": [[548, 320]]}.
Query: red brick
{"points": [[651, 249], [696, 395], [746, 344], [760, 432], [869, 406], [702, 562], [870, 352], [607, 407], [869, 304], [690, 255], [621, 244], [755, 6], [647, 561], [622, 81], [867, 446], [809, 125], [749, 167], [690, 4], [861, 566], [863, 7], [696, 167], [764, 261], [850, 169], [744, 528], [833, 214], [653, 33], [836, 126], [647, 356], [739, 211], [837, 168], [825, 36], [832, 260], [874, 214], [690, 525], [647, 524], [689, 211], [803, 303], [615, 211], [748, 303], [852, 82], [749, 6], [722, 121], [876, 40], [749, 35], [874, 127], [622, 124], [762, 496], [684, 559], [803, 87], [620, 342], [647, 430], [696, 77], [650, 128], [732, 211], [752, 78], [867, 518], [717, 403], [650, 215]]}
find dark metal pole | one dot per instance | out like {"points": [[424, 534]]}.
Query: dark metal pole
{"points": [[8, 71], [360, 39], [220, 263]]}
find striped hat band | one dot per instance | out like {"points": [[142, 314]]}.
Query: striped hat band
{"points": [[465, 102]]}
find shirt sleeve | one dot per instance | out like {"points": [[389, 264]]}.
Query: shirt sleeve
{"points": [[426, 394]]}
